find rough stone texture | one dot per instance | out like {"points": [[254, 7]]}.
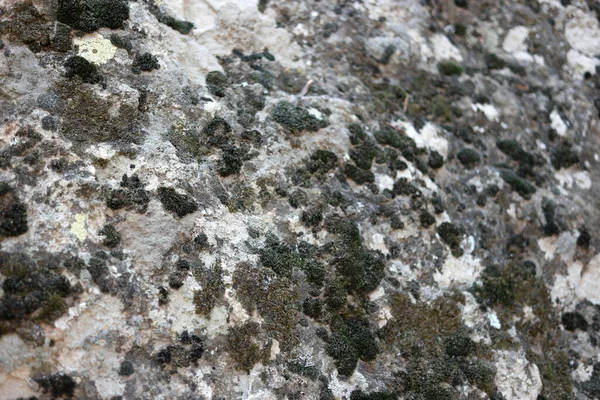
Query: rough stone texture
{"points": [[223, 199]]}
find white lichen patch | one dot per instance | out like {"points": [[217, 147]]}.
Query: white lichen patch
{"points": [[95, 48], [458, 271], [516, 377], [428, 137], [443, 49], [570, 178], [490, 112], [583, 33], [78, 227], [557, 123]]}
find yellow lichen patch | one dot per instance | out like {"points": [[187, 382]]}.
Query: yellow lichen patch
{"points": [[95, 48], [78, 227]]}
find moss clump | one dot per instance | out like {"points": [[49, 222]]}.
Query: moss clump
{"points": [[126, 368], [573, 321], [13, 213], [217, 82], [396, 222], [321, 161], [298, 198], [436, 160], [426, 219], [352, 340], [563, 156], [91, 15], [357, 134], [131, 195], [283, 259], [232, 160], [218, 131], [274, 297], [144, 62], [440, 108], [363, 155], [512, 149], [295, 118], [100, 274], [449, 68], [492, 61], [358, 175], [57, 385], [122, 42], [89, 118], [82, 68], [311, 218], [468, 157], [183, 27], [390, 137], [213, 288], [518, 184], [452, 236], [179, 204], [112, 237], [360, 395], [313, 308], [245, 348]]}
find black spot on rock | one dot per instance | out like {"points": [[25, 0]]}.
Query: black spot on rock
{"points": [[295, 118], [573, 321], [179, 204], [13, 213], [126, 368], [468, 157], [58, 385], [112, 237], [145, 62], [90, 15], [79, 66]]}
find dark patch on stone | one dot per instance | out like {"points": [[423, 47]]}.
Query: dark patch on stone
{"points": [[58, 385], [217, 82], [126, 368], [131, 195], [144, 62], [468, 157], [452, 236], [295, 118], [179, 204], [82, 68], [573, 321], [112, 237], [121, 42], [13, 213], [91, 15]]}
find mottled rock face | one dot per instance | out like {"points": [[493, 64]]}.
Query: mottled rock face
{"points": [[299, 199]]}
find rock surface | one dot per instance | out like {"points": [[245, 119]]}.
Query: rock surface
{"points": [[241, 199]]}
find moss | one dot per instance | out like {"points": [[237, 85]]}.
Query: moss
{"points": [[100, 274], [131, 195], [274, 297], [82, 68], [357, 134], [321, 162], [358, 175], [402, 187], [549, 209], [298, 198], [563, 156], [363, 155], [183, 27], [90, 15], [492, 61], [217, 82], [352, 340], [426, 219], [451, 235], [242, 198], [512, 149], [518, 184], [344, 354], [88, 118], [29, 26], [231, 161], [449, 68], [126, 368], [13, 213], [122, 42], [112, 237], [460, 29], [459, 345], [313, 308], [58, 385], [396, 222], [244, 347], [468, 157], [283, 259], [218, 131], [440, 108], [144, 62], [179, 204], [336, 295], [51, 309], [295, 118], [436, 160], [302, 367], [212, 288], [573, 321], [391, 137], [360, 395], [311, 218]]}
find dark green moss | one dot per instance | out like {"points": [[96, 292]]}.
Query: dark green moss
{"points": [[460, 29], [131, 195], [126, 368], [311, 218], [13, 213], [244, 347], [549, 209], [301, 367], [563, 156], [183, 27], [436, 160], [459, 345], [518, 184], [232, 160], [82, 68], [357, 134], [90, 15], [213, 288], [144, 62], [468, 157], [358, 175], [512, 149], [344, 354], [352, 340], [217, 82], [321, 161], [218, 132], [451, 235], [363, 155], [440, 108], [122, 42], [396, 222], [179, 204], [100, 274], [112, 237], [313, 308], [391, 137], [360, 395], [298, 198], [402, 187], [426, 219], [449, 68], [57, 385], [573, 321], [492, 61], [283, 260], [295, 118]]}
